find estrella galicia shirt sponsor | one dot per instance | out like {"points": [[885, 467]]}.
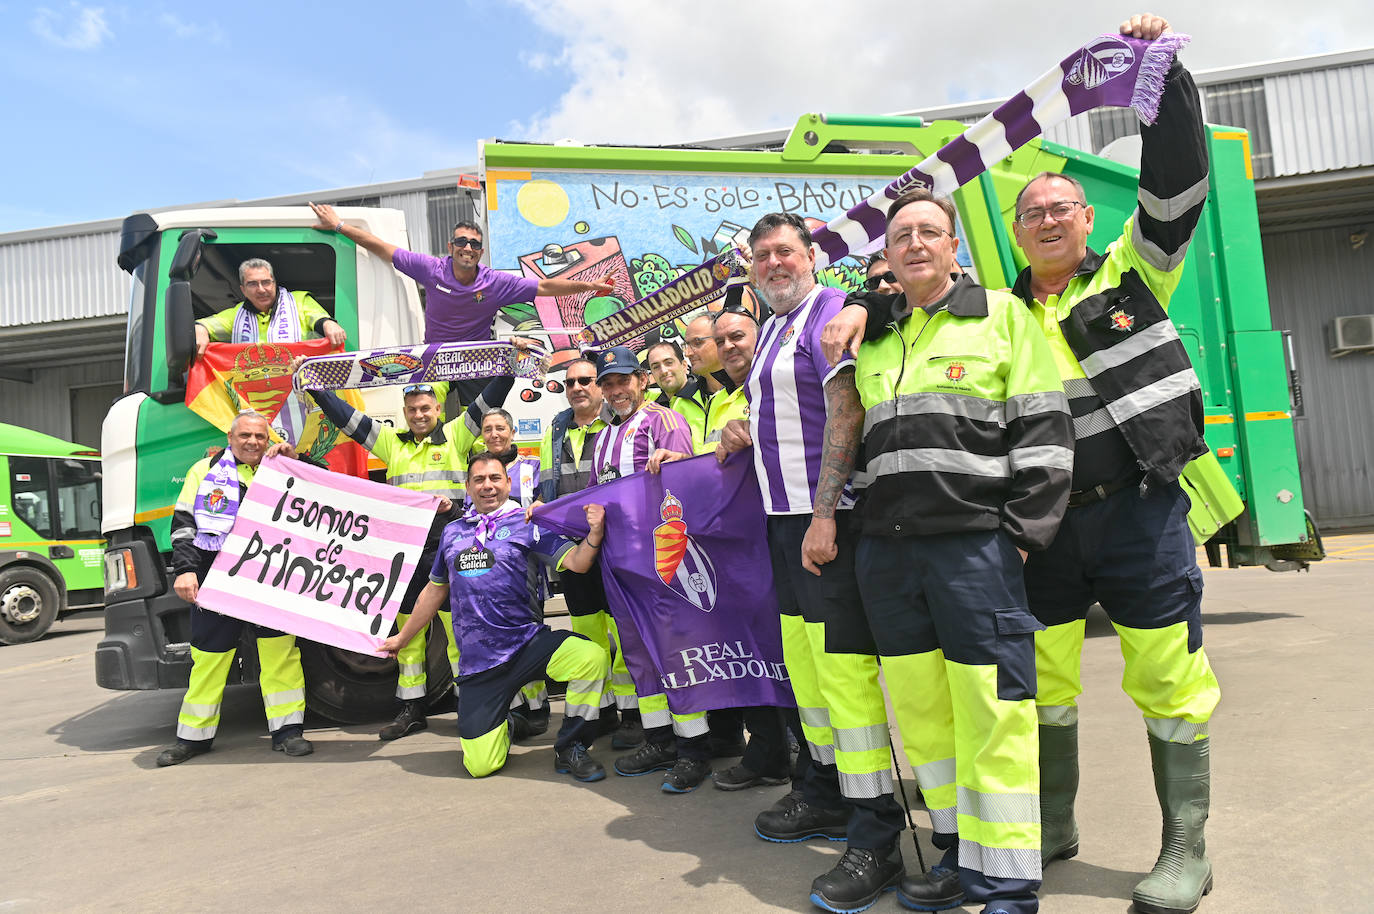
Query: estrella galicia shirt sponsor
{"points": [[492, 586]]}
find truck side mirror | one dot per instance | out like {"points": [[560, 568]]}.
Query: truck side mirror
{"points": [[179, 317]]}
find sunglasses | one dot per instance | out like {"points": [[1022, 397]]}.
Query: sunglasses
{"points": [[873, 282], [474, 243], [588, 381], [740, 308], [417, 389]]}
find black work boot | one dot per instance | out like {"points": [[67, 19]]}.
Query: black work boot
{"points": [[631, 732], [182, 750], [410, 720], [792, 819], [936, 890], [648, 757], [1182, 874], [858, 879], [576, 761], [1058, 789]]}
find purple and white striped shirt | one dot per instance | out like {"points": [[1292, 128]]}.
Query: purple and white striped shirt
{"points": [[787, 411], [625, 446]]}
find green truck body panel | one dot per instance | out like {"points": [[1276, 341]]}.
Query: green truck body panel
{"points": [[1221, 306], [32, 524]]}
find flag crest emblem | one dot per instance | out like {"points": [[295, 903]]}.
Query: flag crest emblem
{"points": [[681, 564]]}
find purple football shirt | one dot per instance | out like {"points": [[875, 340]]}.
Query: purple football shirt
{"points": [[787, 412], [492, 586], [455, 313], [624, 447]]}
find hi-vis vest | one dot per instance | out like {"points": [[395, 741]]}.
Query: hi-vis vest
{"points": [[967, 426], [435, 464], [1113, 340], [723, 406], [565, 457]]}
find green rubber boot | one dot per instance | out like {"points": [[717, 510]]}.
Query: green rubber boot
{"points": [[1058, 788], [1182, 874]]}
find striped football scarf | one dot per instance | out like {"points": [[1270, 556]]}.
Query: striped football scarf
{"points": [[1111, 71]]}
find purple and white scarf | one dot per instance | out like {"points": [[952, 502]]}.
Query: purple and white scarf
{"points": [[1111, 71], [487, 523], [284, 328], [419, 365], [217, 502]]}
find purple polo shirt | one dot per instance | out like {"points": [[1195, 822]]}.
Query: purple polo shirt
{"points": [[492, 587], [455, 313]]}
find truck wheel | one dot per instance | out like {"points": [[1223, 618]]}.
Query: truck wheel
{"points": [[29, 603], [350, 688]]}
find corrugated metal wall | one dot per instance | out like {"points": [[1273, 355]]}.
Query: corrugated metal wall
{"points": [[45, 405], [63, 278], [415, 205], [1315, 276], [1320, 119]]}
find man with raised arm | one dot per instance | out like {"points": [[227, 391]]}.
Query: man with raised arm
{"points": [[1124, 543], [428, 457]]}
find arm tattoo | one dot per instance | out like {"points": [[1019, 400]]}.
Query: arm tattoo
{"points": [[843, 428]]}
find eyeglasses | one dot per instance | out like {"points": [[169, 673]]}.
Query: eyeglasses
{"points": [[928, 234], [696, 342], [474, 243], [417, 389], [873, 282], [587, 381], [260, 283], [1032, 218]]}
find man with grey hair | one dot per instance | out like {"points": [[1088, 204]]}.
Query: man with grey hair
{"points": [[267, 314], [204, 513]]}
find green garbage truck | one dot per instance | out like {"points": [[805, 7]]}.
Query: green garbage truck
{"points": [[645, 216]]}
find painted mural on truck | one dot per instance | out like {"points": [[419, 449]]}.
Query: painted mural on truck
{"points": [[641, 231]]}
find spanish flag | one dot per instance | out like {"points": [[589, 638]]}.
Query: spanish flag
{"points": [[232, 377]]}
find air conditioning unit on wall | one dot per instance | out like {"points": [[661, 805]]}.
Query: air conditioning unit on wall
{"points": [[1354, 333]]}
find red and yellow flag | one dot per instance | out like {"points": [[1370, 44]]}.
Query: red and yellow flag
{"points": [[233, 376]]}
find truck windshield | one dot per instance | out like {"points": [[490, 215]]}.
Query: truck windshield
{"points": [[138, 346]]}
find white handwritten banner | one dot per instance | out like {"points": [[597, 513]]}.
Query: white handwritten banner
{"points": [[320, 555]]}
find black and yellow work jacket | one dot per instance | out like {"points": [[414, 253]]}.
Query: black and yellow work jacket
{"points": [[1135, 399], [966, 425]]}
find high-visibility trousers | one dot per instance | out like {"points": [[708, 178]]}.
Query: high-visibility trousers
{"points": [[214, 639], [949, 615]]}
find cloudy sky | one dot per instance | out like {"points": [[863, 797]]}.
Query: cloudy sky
{"points": [[111, 108]]}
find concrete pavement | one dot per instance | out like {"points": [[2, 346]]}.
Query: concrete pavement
{"points": [[88, 823]]}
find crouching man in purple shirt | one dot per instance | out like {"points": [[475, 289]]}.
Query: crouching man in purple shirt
{"points": [[486, 568]]}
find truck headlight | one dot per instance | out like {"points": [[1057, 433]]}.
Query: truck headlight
{"points": [[120, 571]]}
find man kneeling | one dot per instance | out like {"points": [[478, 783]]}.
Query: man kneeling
{"points": [[486, 569]]}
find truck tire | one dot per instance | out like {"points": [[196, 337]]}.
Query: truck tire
{"points": [[350, 688], [29, 601]]}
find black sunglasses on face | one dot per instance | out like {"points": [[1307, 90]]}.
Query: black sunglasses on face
{"points": [[588, 381], [474, 243], [873, 282]]}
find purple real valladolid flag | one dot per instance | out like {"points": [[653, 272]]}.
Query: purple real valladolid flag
{"points": [[686, 568]]}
